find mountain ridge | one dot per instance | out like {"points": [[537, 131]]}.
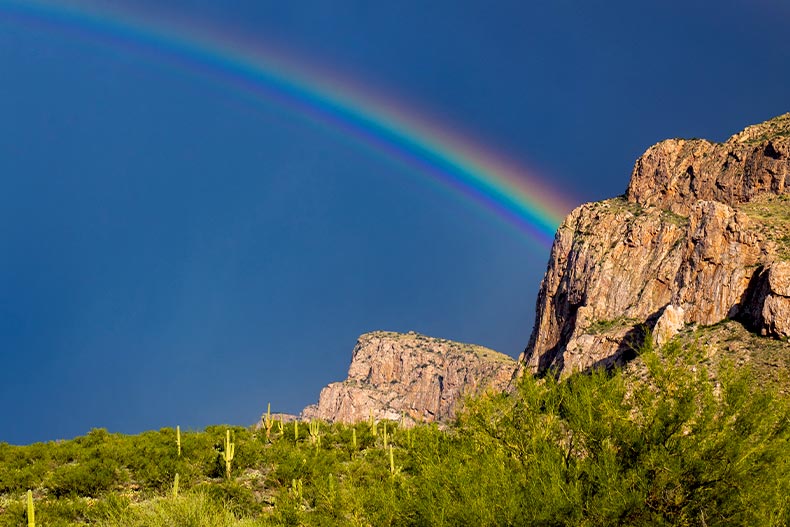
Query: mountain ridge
{"points": [[701, 234]]}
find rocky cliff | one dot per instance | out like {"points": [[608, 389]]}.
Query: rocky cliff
{"points": [[410, 377], [701, 236]]}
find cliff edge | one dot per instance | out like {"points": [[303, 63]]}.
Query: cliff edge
{"points": [[701, 237], [410, 377]]}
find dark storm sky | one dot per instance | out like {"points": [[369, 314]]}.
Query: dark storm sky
{"points": [[175, 252]]}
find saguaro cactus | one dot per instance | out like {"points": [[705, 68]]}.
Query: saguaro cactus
{"points": [[296, 489], [175, 486], [268, 422], [31, 513], [228, 453], [315, 433], [372, 424], [296, 431], [178, 439]]}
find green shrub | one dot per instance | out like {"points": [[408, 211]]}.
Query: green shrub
{"points": [[89, 478]]}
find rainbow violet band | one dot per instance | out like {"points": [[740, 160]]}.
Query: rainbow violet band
{"points": [[456, 163]]}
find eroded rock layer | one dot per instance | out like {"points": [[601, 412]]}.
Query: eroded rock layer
{"points": [[701, 235], [411, 377]]}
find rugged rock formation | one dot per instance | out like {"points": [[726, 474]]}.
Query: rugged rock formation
{"points": [[769, 300], [676, 173], [410, 376], [703, 233]]}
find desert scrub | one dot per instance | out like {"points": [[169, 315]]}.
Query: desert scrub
{"points": [[621, 204], [664, 442], [604, 326], [675, 219], [771, 216]]}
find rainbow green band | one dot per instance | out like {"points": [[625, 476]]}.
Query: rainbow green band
{"points": [[458, 164]]}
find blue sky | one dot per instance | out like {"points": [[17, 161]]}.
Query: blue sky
{"points": [[177, 252]]}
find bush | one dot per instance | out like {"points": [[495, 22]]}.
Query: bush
{"points": [[90, 478], [673, 447]]}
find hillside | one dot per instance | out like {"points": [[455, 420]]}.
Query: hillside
{"points": [[666, 447]]}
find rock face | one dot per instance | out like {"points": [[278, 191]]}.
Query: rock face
{"points": [[769, 300], [677, 173], [668, 324], [410, 376], [701, 235]]}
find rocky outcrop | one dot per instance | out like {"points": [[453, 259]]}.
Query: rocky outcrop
{"points": [[668, 324], [411, 377], [701, 235], [676, 173], [769, 300]]}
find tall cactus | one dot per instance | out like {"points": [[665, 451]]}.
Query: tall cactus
{"points": [[296, 431], [315, 433], [296, 489], [229, 453], [268, 422], [178, 439], [384, 436], [372, 423], [175, 486], [31, 513]]}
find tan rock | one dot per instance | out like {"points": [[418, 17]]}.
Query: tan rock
{"points": [[685, 235], [718, 263], [676, 173], [668, 324], [776, 310], [779, 278], [613, 265], [768, 301], [410, 376], [776, 316]]}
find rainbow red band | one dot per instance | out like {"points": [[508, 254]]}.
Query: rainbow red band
{"points": [[465, 167]]}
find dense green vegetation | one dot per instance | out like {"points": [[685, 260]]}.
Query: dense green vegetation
{"points": [[666, 442]]}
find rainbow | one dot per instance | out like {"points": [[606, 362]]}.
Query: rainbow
{"points": [[456, 163]]}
